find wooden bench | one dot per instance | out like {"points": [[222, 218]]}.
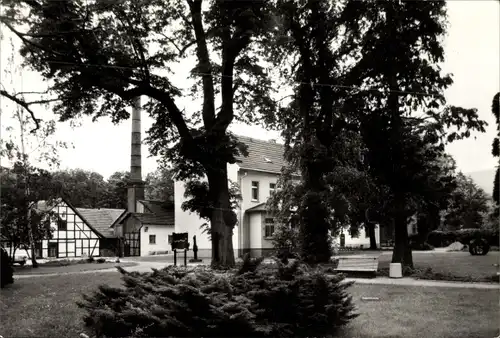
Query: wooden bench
{"points": [[363, 264]]}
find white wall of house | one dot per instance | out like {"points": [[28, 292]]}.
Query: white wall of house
{"points": [[161, 233], [361, 240], [255, 224], [191, 222]]}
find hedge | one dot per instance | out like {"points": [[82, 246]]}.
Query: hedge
{"points": [[438, 238]]}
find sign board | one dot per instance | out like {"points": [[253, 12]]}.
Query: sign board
{"points": [[180, 241]]}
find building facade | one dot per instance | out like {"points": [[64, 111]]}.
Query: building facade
{"points": [[257, 176]]}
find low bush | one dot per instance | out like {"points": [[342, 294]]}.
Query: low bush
{"points": [[417, 246], [6, 270], [101, 260], [289, 301], [444, 238]]}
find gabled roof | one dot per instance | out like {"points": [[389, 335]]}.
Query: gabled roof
{"points": [[155, 213], [262, 155], [151, 219], [157, 207], [101, 219], [42, 205]]}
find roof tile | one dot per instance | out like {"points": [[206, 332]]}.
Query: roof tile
{"points": [[263, 155], [101, 219]]}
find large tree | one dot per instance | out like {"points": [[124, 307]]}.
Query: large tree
{"points": [[98, 56], [398, 75], [468, 205]]}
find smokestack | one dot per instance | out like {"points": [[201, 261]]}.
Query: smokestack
{"points": [[136, 185]]}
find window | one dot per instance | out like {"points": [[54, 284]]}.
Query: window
{"points": [[255, 191], [152, 239], [269, 227], [62, 225], [272, 188]]}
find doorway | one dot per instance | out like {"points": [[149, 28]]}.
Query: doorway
{"points": [[52, 250]]}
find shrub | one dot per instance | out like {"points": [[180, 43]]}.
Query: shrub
{"points": [[286, 242], [90, 259], [421, 246], [101, 260], [6, 270], [197, 302]]}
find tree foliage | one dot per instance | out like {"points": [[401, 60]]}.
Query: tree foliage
{"points": [[468, 206], [99, 55], [160, 185], [401, 110], [23, 186], [495, 151]]}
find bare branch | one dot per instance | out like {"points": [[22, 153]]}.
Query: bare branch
{"points": [[25, 105], [182, 50], [29, 42]]}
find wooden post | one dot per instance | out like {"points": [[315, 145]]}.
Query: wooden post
{"points": [[175, 257], [185, 257]]}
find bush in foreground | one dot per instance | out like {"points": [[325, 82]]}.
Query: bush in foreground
{"points": [[6, 270], [176, 302]]}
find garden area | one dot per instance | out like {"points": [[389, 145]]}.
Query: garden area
{"points": [[253, 303], [69, 266]]}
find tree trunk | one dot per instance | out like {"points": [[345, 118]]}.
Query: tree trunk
{"points": [[223, 219], [34, 263], [402, 251], [371, 233]]}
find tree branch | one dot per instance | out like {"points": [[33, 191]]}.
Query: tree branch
{"points": [[205, 66], [25, 105], [29, 42]]}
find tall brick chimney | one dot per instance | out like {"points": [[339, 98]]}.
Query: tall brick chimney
{"points": [[135, 190]]}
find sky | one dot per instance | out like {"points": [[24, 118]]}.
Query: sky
{"points": [[472, 50]]}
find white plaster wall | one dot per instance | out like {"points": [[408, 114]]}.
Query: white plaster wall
{"points": [[255, 222], [362, 239], [162, 232], [254, 225], [190, 222]]}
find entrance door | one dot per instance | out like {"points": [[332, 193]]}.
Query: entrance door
{"points": [[53, 249], [132, 241]]}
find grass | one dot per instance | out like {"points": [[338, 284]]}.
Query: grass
{"points": [[454, 266], [45, 307], [44, 269], [424, 312]]}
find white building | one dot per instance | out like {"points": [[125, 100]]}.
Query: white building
{"points": [[256, 175]]}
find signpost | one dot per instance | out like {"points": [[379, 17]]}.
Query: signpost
{"points": [[180, 242]]}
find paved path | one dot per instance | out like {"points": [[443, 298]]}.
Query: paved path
{"points": [[147, 266]]}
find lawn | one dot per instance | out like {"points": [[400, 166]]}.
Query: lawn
{"points": [[461, 264], [45, 307], [49, 269]]}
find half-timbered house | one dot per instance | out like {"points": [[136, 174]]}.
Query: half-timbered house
{"points": [[72, 235]]}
